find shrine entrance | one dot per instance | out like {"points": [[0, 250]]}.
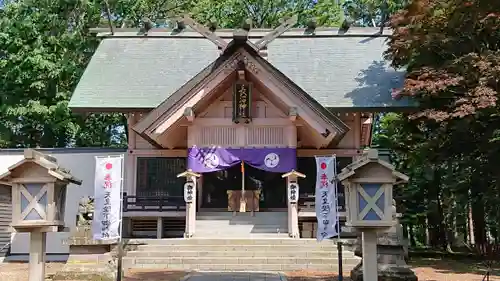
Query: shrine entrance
{"points": [[216, 186], [221, 188]]}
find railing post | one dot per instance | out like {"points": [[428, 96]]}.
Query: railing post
{"points": [[125, 202]]}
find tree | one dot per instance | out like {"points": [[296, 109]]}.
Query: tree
{"points": [[372, 12], [267, 13], [44, 49], [450, 50]]}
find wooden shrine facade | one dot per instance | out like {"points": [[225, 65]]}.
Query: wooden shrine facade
{"points": [[234, 89]]}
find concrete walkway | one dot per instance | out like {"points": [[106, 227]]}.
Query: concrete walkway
{"points": [[235, 276]]}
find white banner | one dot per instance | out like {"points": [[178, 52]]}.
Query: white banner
{"points": [[107, 194], [326, 197]]}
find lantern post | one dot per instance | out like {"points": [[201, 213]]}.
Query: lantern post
{"points": [[190, 199], [369, 184], [38, 203], [292, 183]]}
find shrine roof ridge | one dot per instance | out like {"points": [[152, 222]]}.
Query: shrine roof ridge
{"points": [[188, 32]]}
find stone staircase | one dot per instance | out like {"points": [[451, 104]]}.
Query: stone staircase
{"points": [[241, 225], [256, 254]]}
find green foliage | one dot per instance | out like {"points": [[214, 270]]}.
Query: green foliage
{"points": [[372, 12], [266, 13], [45, 47], [449, 147]]}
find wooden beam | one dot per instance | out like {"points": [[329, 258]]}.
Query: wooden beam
{"points": [[203, 30], [214, 121], [300, 152], [292, 113], [268, 38], [189, 114], [240, 36], [357, 130], [159, 152], [326, 152]]}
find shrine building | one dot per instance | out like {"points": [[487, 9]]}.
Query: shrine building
{"points": [[240, 108]]}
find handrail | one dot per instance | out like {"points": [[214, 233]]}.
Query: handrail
{"points": [[5, 246], [152, 203]]}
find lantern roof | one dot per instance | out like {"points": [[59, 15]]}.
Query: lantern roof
{"points": [[293, 173], [45, 161], [369, 156], [188, 173]]}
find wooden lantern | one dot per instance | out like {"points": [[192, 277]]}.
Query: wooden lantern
{"points": [[190, 185], [190, 199], [38, 192], [368, 184], [293, 185], [292, 178]]}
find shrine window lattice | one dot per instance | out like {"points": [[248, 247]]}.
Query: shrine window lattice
{"points": [[157, 176]]}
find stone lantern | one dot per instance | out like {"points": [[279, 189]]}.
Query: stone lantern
{"points": [[38, 202], [369, 183], [292, 178], [190, 199]]}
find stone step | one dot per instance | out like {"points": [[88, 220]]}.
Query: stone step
{"points": [[212, 224], [241, 235], [246, 248], [216, 226], [237, 241], [241, 218], [239, 253], [252, 263], [234, 232], [243, 267]]}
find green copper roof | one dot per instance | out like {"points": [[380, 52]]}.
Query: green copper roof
{"points": [[338, 71]]}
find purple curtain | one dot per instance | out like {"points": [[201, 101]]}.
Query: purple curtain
{"points": [[210, 159]]}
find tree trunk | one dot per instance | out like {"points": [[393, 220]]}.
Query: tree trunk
{"points": [[411, 236]]}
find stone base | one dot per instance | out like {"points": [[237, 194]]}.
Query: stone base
{"points": [[88, 267], [83, 275], [386, 273]]}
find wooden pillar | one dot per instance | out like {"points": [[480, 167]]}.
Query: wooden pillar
{"points": [[130, 168], [294, 220], [357, 130], [190, 190], [38, 242], [159, 227], [191, 213], [369, 249]]}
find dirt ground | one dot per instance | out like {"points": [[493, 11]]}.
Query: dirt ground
{"points": [[19, 272], [426, 270]]}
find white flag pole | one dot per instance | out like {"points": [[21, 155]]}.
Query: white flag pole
{"points": [[337, 220], [119, 264], [336, 193]]}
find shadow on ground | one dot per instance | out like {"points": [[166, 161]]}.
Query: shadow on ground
{"points": [[314, 276], [164, 275], [454, 266], [153, 275]]}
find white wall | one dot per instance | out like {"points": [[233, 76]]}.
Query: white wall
{"points": [[81, 163]]}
